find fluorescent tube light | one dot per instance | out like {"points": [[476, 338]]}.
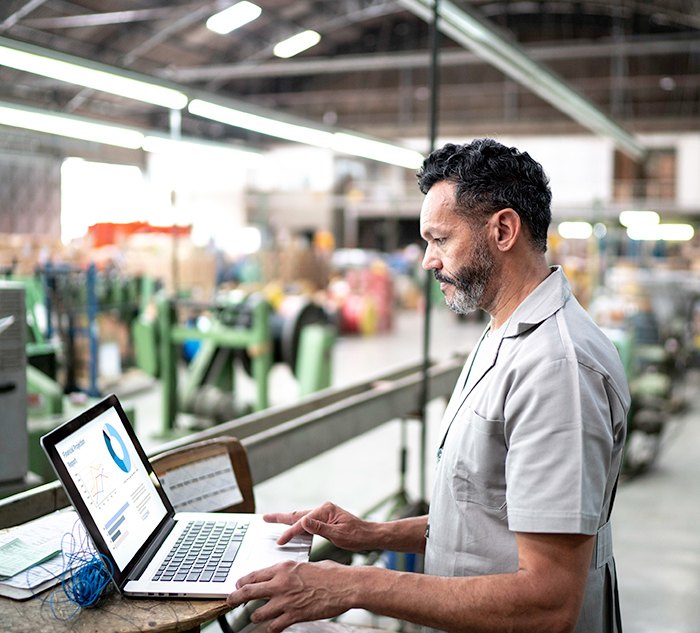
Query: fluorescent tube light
{"points": [[72, 127], [261, 124], [234, 17], [639, 218], [296, 44], [338, 141], [161, 144], [666, 232], [47, 65], [376, 150], [575, 230]]}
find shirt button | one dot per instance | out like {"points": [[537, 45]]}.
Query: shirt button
{"points": [[439, 453]]}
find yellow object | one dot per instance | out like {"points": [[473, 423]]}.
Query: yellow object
{"points": [[324, 240], [368, 318]]}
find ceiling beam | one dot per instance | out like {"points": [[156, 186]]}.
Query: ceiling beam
{"points": [[109, 18], [11, 20], [417, 59], [472, 31]]}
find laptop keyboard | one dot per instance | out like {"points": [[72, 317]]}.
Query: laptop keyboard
{"points": [[204, 552]]}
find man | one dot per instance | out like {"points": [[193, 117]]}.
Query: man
{"points": [[517, 538]]}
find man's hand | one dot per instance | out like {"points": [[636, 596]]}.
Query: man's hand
{"points": [[341, 528], [295, 592]]}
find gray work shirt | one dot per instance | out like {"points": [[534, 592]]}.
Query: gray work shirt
{"points": [[531, 441]]}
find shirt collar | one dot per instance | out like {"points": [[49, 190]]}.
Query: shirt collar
{"points": [[540, 304]]}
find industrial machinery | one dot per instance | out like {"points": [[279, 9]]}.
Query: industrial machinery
{"points": [[14, 459], [240, 332]]}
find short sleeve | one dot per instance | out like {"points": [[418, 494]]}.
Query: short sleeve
{"points": [[560, 441]]}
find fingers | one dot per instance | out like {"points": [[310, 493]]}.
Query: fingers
{"points": [[304, 521], [306, 525], [251, 587], [288, 518], [276, 619], [281, 623]]}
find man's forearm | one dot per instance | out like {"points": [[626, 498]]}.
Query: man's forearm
{"points": [[485, 604], [402, 535], [544, 594]]}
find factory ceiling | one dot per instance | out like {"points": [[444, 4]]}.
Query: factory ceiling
{"points": [[637, 61]]}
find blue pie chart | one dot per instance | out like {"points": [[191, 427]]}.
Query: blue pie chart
{"points": [[111, 436]]}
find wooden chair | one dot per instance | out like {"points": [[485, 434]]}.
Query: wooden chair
{"points": [[208, 476], [203, 466]]}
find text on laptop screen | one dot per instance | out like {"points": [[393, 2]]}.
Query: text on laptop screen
{"points": [[114, 484]]}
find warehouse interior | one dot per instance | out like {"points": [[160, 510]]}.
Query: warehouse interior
{"points": [[225, 234]]}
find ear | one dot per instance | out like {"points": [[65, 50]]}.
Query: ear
{"points": [[506, 227]]}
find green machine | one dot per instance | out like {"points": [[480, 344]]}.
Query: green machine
{"points": [[50, 295], [646, 363], [45, 393], [241, 332]]}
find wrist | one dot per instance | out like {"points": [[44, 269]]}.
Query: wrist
{"points": [[384, 535], [357, 586]]}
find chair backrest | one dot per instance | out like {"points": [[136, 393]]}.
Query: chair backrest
{"points": [[208, 476]]}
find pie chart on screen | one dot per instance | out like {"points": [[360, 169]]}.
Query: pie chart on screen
{"points": [[116, 448]]}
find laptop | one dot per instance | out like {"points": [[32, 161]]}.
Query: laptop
{"points": [[154, 550]]}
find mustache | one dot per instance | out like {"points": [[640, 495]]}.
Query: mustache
{"points": [[445, 279]]}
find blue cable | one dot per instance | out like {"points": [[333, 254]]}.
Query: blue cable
{"points": [[86, 574]]}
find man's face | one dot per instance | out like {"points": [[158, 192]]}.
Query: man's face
{"points": [[456, 251]]}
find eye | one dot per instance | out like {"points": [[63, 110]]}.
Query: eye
{"points": [[439, 240]]}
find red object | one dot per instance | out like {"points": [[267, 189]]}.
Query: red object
{"points": [[108, 233]]}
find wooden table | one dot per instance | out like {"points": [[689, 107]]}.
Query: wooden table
{"points": [[115, 614]]}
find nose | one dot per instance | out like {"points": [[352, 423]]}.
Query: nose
{"points": [[430, 262]]}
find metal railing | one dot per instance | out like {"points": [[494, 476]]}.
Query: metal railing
{"points": [[278, 439]]}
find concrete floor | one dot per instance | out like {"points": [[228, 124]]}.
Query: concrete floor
{"points": [[656, 530], [656, 517]]}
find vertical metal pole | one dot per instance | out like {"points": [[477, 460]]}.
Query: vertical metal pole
{"points": [[434, 87], [175, 135], [168, 364], [48, 283], [261, 346], [93, 390]]}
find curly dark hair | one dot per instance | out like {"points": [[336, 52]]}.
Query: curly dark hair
{"points": [[489, 177]]}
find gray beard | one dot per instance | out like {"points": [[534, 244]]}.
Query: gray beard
{"points": [[466, 300], [471, 281]]}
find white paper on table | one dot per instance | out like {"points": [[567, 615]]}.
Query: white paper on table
{"points": [[48, 530]]}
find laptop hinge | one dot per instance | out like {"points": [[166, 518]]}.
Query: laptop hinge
{"points": [[148, 554]]}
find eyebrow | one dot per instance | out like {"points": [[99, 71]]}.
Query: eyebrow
{"points": [[426, 232], [429, 230]]}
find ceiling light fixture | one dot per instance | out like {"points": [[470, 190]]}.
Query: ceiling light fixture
{"points": [[376, 150], [338, 141], [88, 130], [33, 59], [639, 218], [261, 124], [665, 232], [69, 126], [296, 44], [155, 143], [233, 17], [575, 230]]}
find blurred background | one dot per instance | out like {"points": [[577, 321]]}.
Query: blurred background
{"points": [[210, 208]]}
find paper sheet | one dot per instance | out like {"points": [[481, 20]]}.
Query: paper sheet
{"points": [[47, 531], [18, 555], [204, 486]]}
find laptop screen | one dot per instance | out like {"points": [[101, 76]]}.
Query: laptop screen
{"points": [[114, 484]]}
